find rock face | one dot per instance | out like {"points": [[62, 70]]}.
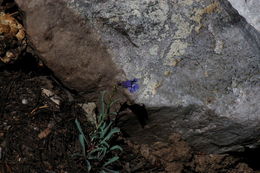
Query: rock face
{"points": [[249, 9], [188, 52]]}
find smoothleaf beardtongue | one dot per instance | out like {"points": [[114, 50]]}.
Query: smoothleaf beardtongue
{"points": [[131, 85]]}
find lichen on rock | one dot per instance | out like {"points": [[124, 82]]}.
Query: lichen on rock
{"points": [[183, 52]]}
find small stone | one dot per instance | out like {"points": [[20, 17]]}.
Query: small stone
{"points": [[24, 101], [89, 109], [44, 133], [54, 98]]}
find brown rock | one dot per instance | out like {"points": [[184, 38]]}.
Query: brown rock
{"points": [[242, 168], [66, 44], [213, 163], [171, 153], [146, 152], [175, 167], [176, 156], [174, 138]]}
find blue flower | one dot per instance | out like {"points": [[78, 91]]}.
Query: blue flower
{"points": [[131, 85]]}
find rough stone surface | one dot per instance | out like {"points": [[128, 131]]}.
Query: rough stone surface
{"points": [[249, 9], [200, 127], [68, 45], [176, 156], [172, 154], [188, 52]]}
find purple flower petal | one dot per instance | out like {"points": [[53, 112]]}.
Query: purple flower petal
{"points": [[134, 88], [126, 84], [135, 80], [131, 85]]}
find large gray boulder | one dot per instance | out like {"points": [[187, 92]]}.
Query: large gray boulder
{"points": [[249, 9], [191, 57]]}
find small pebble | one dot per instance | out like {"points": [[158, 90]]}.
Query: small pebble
{"points": [[24, 101]]}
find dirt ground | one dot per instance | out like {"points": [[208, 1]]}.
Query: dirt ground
{"points": [[25, 113]]}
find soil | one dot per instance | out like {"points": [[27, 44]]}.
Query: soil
{"points": [[39, 136], [25, 113]]}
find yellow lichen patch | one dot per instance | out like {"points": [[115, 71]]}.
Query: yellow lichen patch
{"points": [[177, 49], [200, 12], [173, 62], [156, 86], [206, 74], [154, 50], [152, 86], [159, 13], [167, 73], [211, 8], [183, 27], [187, 2]]}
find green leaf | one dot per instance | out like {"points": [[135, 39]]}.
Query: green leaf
{"points": [[109, 170], [80, 130], [116, 147], [113, 102], [104, 132], [88, 165], [103, 126], [102, 153], [82, 143], [102, 111], [100, 138], [104, 143], [78, 126], [94, 154], [93, 138], [113, 159], [76, 154], [111, 133], [113, 113]]}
